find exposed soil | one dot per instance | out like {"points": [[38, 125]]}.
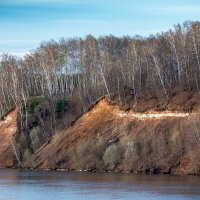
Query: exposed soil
{"points": [[150, 136], [8, 128], [171, 129]]}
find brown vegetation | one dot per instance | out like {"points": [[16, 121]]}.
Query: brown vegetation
{"points": [[101, 140], [8, 128]]}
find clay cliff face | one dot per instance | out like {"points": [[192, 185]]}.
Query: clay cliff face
{"points": [[8, 128], [150, 136]]}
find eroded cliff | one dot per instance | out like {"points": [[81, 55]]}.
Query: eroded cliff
{"points": [[8, 129], [151, 136], [148, 136]]}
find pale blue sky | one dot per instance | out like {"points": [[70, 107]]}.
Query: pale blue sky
{"points": [[25, 23]]}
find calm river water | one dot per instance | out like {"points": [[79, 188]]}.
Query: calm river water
{"points": [[52, 185]]}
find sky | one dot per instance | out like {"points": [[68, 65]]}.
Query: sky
{"points": [[25, 23]]}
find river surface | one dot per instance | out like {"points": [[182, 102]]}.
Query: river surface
{"points": [[53, 185]]}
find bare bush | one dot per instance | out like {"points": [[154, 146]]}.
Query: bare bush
{"points": [[193, 145], [132, 155], [195, 161], [88, 154], [113, 154]]}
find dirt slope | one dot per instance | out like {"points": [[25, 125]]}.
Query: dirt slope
{"points": [[8, 128], [152, 136]]}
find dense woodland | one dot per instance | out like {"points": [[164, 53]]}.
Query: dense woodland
{"points": [[88, 68]]}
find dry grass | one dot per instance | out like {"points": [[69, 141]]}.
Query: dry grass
{"points": [[113, 155]]}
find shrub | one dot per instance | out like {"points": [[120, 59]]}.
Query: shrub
{"points": [[34, 103], [113, 154], [60, 105], [126, 89], [89, 153], [99, 148], [195, 161], [11, 103], [27, 154], [131, 156], [36, 138]]}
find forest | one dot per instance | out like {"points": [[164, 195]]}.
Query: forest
{"points": [[88, 68]]}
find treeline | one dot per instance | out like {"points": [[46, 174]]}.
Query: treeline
{"points": [[88, 68]]}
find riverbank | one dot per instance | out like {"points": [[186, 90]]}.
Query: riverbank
{"points": [[150, 136]]}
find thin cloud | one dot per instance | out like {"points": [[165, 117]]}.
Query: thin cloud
{"points": [[18, 41]]}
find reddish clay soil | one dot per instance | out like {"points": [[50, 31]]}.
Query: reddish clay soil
{"points": [[8, 127], [169, 126], [112, 124]]}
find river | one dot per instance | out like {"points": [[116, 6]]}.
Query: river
{"points": [[54, 185]]}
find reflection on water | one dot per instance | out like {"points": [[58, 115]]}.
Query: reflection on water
{"points": [[51, 185]]}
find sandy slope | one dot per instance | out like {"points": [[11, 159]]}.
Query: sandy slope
{"points": [[8, 128], [110, 123], [166, 133]]}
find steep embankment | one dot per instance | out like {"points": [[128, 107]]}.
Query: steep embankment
{"points": [[39, 120], [8, 128], [150, 136], [153, 135], [22, 134]]}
